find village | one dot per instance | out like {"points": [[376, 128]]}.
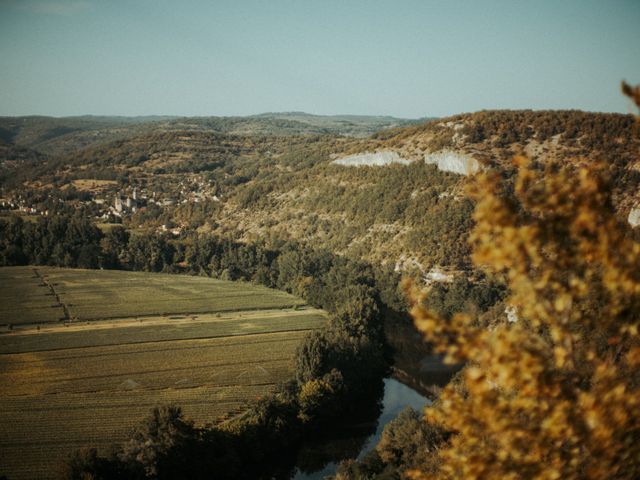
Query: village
{"points": [[110, 203]]}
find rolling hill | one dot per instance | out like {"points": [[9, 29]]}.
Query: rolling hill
{"points": [[243, 177]]}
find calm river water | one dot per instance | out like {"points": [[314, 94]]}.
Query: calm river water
{"points": [[396, 397]]}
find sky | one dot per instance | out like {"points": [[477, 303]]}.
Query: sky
{"points": [[403, 58]]}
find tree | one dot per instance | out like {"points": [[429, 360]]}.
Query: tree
{"points": [[407, 439], [321, 398], [114, 247], [150, 252], [86, 464], [557, 393], [165, 431], [357, 310], [88, 256]]}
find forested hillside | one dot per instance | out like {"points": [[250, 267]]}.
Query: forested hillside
{"points": [[202, 176]]}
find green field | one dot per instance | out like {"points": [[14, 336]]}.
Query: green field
{"points": [[28, 295], [143, 340]]}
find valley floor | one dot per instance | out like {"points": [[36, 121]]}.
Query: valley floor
{"points": [[65, 385]]}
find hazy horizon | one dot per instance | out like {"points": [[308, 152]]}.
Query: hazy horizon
{"points": [[259, 114], [409, 59]]}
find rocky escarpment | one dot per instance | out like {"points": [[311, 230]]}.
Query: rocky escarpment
{"points": [[385, 157], [454, 162], [634, 217], [445, 160]]}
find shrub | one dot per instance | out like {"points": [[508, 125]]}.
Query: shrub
{"points": [[557, 393]]}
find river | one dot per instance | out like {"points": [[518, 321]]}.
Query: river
{"points": [[417, 377], [397, 396]]}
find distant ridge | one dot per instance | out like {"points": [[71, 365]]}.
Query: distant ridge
{"points": [[61, 135]]}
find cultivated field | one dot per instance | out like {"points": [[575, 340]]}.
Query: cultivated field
{"points": [[24, 298], [144, 340], [37, 295]]}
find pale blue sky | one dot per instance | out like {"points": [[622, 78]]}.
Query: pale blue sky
{"points": [[402, 58]]}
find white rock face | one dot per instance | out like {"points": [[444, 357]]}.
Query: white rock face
{"points": [[449, 161], [634, 217], [405, 263], [436, 275], [512, 314], [385, 157]]}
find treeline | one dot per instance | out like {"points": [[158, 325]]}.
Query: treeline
{"points": [[60, 240], [72, 240], [593, 131]]}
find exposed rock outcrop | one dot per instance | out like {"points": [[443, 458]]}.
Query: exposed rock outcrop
{"points": [[512, 314], [634, 217], [449, 161], [385, 157], [437, 275]]}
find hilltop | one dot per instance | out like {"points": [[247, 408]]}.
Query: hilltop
{"points": [[55, 136]]}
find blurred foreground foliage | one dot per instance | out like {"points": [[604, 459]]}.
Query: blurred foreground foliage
{"points": [[554, 394]]}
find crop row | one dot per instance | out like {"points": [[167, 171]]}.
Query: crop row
{"points": [[31, 314], [206, 326], [128, 305], [153, 375], [53, 402], [156, 365], [45, 433], [91, 294], [25, 299], [80, 419]]}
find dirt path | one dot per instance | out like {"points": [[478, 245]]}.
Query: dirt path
{"points": [[175, 319]]}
